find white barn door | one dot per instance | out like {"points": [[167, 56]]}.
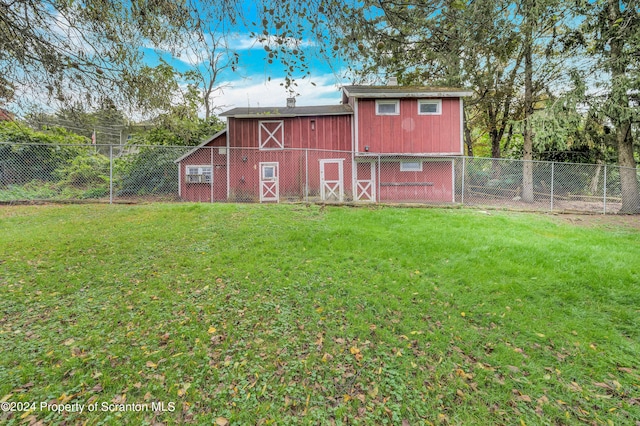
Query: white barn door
{"points": [[365, 181], [331, 180], [269, 182]]}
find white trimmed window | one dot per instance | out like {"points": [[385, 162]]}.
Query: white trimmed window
{"points": [[411, 166], [271, 134], [387, 107], [268, 172], [198, 174], [430, 107]]}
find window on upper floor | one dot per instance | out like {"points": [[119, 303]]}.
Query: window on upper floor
{"points": [[387, 107], [429, 107]]}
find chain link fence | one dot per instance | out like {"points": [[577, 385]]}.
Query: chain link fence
{"points": [[116, 173]]}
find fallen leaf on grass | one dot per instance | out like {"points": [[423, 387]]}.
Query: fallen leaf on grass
{"points": [[151, 364], [575, 387], [221, 421], [183, 391], [461, 373], [442, 418], [327, 357]]}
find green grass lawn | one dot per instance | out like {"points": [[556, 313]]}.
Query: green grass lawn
{"points": [[287, 314]]}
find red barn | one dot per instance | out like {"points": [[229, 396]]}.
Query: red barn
{"points": [[383, 143]]}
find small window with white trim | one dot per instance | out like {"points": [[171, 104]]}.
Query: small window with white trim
{"points": [[411, 166], [198, 174], [268, 172], [429, 107], [387, 107]]}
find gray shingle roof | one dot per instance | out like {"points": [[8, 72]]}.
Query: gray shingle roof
{"points": [[404, 92], [247, 112]]}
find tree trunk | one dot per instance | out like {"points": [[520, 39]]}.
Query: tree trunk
{"points": [[527, 157], [467, 136], [628, 173], [594, 186], [624, 138]]}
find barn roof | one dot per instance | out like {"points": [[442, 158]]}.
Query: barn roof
{"points": [[205, 142], [278, 112], [404, 92]]}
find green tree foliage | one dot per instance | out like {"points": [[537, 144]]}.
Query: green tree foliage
{"points": [[85, 171], [27, 155], [83, 50], [150, 168], [612, 30]]}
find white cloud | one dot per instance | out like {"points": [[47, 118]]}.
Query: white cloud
{"points": [[244, 41], [256, 91]]}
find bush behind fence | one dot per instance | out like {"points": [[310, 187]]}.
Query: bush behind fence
{"points": [[116, 173]]}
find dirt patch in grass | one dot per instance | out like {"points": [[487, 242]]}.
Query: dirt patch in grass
{"points": [[599, 220]]}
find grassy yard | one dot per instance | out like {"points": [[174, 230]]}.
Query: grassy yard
{"points": [[281, 314]]}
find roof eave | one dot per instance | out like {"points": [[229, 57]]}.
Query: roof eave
{"points": [[205, 142], [434, 94], [287, 115]]}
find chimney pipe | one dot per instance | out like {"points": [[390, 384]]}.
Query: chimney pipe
{"points": [[392, 81], [291, 102]]}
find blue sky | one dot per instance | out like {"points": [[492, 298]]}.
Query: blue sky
{"points": [[257, 83]]}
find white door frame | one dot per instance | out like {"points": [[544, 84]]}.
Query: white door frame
{"points": [[364, 186], [269, 182], [332, 187]]}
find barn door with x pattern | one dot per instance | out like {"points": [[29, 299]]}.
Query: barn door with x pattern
{"points": [[331, 180], [272, 134], [269, 182], [365, 181]]}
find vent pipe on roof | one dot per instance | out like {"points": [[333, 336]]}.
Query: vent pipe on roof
{"points": [[392, 81], [291, 102]]}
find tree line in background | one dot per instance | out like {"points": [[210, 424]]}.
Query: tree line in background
{"points": [[56, 163], [552, 79]]}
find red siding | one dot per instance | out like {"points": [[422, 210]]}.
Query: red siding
{"points": [[433, 183], [317, 132], [207, 155], [409, 132]]}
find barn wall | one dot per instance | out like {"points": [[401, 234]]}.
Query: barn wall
{"points": [[433, 183], [331, 132], [210, 154], [409, 132], [295, 167]]}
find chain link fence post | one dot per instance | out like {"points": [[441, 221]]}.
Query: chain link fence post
{"points": [[378, 180], [551, 185], [213, 168], [604, 190], [464, 163], [110, 174]]}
